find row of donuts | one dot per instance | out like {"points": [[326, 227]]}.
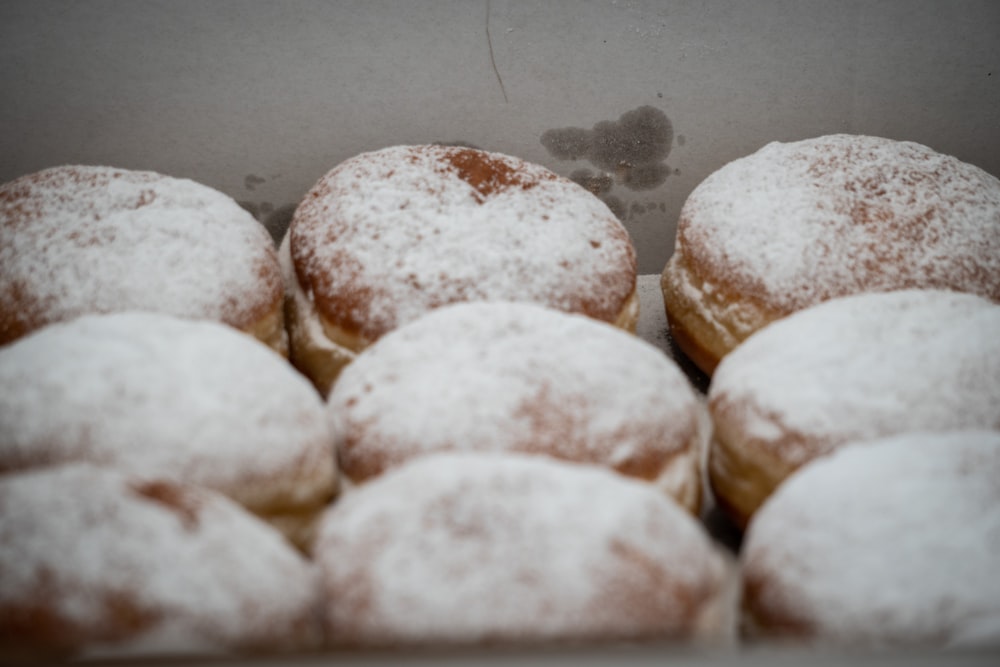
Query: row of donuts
{"points": [[911, 375], [208, 432], [857, 442], [877, 265], [452, 529], [629, 411], [456, 547], [842, 291]]}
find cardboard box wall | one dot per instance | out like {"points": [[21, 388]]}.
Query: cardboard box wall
{"points": [[260, 98]]}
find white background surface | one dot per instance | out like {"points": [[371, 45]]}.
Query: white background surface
{"points": [[260, 98]]}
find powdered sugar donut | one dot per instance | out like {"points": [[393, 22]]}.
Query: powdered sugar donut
{"points": [[388, 235], [891, 542], [474, 548], [193, 401], [795, 224], [83, 239], [97, 561], [850, 369], [505, 377]]}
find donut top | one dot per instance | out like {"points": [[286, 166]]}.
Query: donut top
{"points": [[191, 400], [864, 366], [798, 223], [889, 541], [509, 376], [471, 547], [157, 565], [388, 235], [84, 239]]}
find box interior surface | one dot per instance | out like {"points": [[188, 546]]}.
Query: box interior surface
{"points": [[259, 99]]}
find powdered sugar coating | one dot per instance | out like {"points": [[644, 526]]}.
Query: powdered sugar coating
{"points": [[798, 223], [862, 367], [188, 400], [886, 542], [517, 377], [479, 547], [388, 235], [113, 558], [87, 239]]}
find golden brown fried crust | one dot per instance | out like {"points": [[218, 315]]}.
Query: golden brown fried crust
{"points": [[321, 363], [741, 483], [270, 328], [684, 321], [742, 471], [710, 325], [692, 349]]}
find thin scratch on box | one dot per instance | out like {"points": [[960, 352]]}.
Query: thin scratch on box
{"points": [[493, 60]]}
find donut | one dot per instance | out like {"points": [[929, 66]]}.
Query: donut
{"points": [[885, 543], [487, 549], [518, 377], [78, 240], [798, 223], [388, 235], [853, 368], [190, 400], [99, 562]]}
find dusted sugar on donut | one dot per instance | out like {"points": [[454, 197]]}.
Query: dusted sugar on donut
{"points": [[892, 542], [77, 240], [96, 561], [795, 224], [388, 235], [482, 548], [504, 377], [193, 401], [854, 368]]}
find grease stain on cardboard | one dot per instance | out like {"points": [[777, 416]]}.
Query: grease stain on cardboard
{"points": [[630, 151]]}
